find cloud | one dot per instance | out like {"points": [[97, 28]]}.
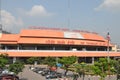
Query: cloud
{"points": [[39, 11], [112, 5], [9, 21]]}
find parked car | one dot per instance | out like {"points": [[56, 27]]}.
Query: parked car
{"points": [[45, 72], [8, 77], [40, 70], [53, 75]]}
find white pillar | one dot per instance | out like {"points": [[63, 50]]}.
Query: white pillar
{"points": [[92, 60], [0, 46], [53, 48], [35, 47], [18, 47], [14, 59], [84, 49], [6, 48], [96, 49]]}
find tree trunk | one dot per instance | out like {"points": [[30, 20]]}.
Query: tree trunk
{"points": [[65, 72]]}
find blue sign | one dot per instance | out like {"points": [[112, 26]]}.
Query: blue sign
{"points": [[59, 65]]}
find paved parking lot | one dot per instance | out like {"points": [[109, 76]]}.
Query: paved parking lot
{"points": [[28, 74]]}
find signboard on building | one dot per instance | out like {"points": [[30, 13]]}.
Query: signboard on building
{"points": [[73, 35]]}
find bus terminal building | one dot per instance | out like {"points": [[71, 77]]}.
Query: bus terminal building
{"points": [[88, 46]]}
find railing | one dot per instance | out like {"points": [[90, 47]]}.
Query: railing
{"points": [[52, 51]]}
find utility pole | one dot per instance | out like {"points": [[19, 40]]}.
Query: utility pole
{"points": [[108, 42], [108, 57]]}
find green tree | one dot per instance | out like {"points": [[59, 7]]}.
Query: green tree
{"points": [[32, 60], [103, 68], [117, 67], [67, 61], [80, 68], [3, 60], [16, 67], [50, 61]]}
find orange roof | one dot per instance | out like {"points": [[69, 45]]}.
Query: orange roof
{"points": [[92, 36], [61, 53], [9, 38], [37, 36], [6, 42], [58, 34], [41, 33]]}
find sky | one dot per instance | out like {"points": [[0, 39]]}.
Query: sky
{"points": [[101, 16]]}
